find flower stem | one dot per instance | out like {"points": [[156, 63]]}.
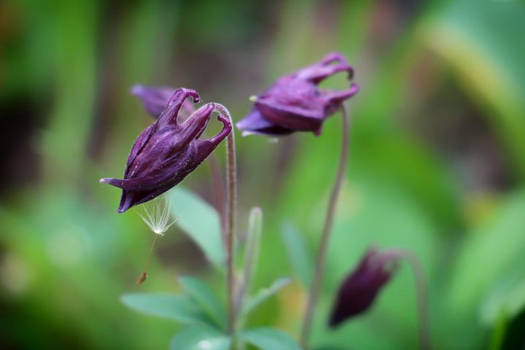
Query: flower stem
{"points": [[327, 228], [422, 300], [218, 186], [229, 225]]}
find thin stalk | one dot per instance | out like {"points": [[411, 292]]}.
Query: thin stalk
{"points": [[229, 224], [327, 228], [421, 291], [218, 187], [144, 275]]}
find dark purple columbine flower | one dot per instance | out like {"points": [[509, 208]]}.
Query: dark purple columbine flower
{"points": [[296, 103], [155, 99], [167, 151], [360, 288]]}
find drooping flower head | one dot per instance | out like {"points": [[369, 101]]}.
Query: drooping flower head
{"points": [[360, 288], [167, 151], [296, 103]]}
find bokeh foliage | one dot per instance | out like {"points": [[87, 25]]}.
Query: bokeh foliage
{"points": [[436, 166]]}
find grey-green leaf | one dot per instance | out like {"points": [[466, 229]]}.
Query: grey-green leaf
{"points": [[266, 293], [179, 308], [269, 339], [200, 338], [297, 253], [206, 299], [200, 221]]}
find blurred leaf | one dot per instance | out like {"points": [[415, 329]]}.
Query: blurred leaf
{"points": [[297, 253], [206, 299], [60, 241], [490, 254], [498, 333], [506, 298], [179, 308], [200, 221], [483, 41], [266, 293], [269, 339], [200, 338], [74, 89]]}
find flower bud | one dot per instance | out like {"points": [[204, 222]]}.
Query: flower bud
{"points": [[360, 288]]}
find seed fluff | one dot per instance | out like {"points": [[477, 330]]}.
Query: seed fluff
{"points": [[156, 214]]}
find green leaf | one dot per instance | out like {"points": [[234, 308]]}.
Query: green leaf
{"points": [[266, 293], [269, 339], [297, 253], [482, 42], [200, 221], [491, 254], [206, 299], [200, 338], [506, 298], [498, 333], [179, 308]]}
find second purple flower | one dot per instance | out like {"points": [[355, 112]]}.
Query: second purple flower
{"points": [[296, 103]]}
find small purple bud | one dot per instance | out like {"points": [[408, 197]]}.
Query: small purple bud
{"points": [[155, 99], [360, 288], [167, 151], [296, 103]]}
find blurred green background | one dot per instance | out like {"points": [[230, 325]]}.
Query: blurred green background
{"points": [[437, 162]]}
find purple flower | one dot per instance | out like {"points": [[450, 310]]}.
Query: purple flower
{"points": [[360, 288], [155, 99], [296, 103], [167, 151]]}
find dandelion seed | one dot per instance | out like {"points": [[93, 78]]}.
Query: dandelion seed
{"points": [[157, 216]]}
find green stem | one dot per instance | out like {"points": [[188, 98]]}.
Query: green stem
{"points": [[421, 291], [218, 187], [325, 237], [229, 225]]}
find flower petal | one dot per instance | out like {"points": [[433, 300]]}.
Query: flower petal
{"points": [[170, 114], [254, 123], [155, 99], [331, 64], [195, 125]]}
